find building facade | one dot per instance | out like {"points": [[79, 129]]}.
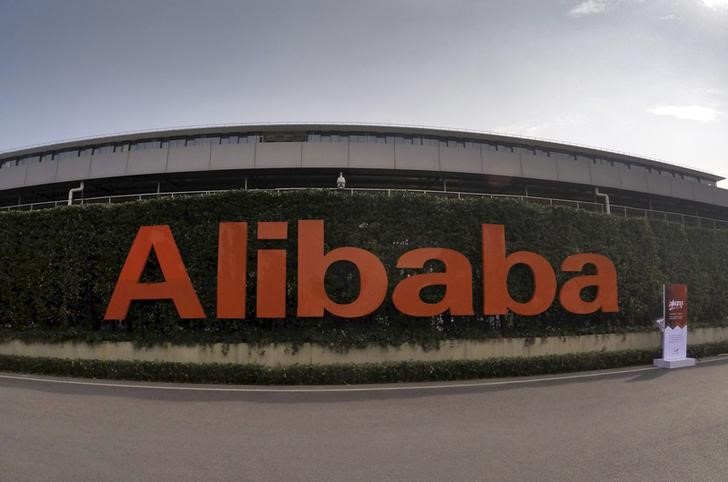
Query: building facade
{"points": [[370, 157]]}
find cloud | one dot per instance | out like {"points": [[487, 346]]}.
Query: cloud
{"points": [[716, 4], [541, 127], [669, 16], [590, 7], [687, 112]]}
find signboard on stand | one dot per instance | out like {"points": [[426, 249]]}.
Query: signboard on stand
{"points": [[674, 326]]}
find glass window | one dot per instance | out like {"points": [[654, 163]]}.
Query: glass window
{"points": [[103, 150], [174, 143], [28, 159], [229, 140], [8, 163], [121, 147], [314, 138], [140, 146], [325, 138], [490, 147], [46, 157], [199, 141], [86, 151]]}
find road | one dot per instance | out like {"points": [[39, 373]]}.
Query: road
{"points": [[645, 424]]}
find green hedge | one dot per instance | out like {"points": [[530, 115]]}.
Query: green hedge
{"points": [[58, 267], [340, 373]]}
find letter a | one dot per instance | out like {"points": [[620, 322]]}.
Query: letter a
{"points": [[605, 281], [457, 279], [176, 285]]}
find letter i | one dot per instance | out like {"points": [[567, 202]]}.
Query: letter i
{"points": [[271, 286]]}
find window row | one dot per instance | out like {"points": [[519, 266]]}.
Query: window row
{"points": [[248, 138], [241, 139]]}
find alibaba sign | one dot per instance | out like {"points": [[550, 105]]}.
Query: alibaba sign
{"points": [[313, 263]]}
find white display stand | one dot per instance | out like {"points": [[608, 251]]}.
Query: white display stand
{"points": [[662, 363], [674, 327]]}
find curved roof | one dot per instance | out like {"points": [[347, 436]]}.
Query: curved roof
{"points": [[303, 128]]}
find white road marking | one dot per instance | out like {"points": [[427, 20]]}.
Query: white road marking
{"points": [[339, 389]]}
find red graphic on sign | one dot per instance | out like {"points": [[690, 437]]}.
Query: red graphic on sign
{"points": [[676, 306]]}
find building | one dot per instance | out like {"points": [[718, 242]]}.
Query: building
{"points": [[371, 157]]}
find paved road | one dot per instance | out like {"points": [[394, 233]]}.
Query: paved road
{"points": [[641, 425]]}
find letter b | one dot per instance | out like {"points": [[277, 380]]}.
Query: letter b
{"points": [[496, 266], [312, 267]]}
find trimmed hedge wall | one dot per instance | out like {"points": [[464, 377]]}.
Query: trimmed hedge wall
{"points": [[58, 266], [340, 373]]}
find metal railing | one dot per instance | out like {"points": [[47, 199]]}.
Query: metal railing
{"points": [[616, 209]]}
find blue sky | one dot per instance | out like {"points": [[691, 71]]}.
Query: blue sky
{"points": [[640, 76]]}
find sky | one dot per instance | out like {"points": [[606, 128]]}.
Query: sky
{"points": [[646, 77]]}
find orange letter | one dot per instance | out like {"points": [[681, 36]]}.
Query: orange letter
{"points": [[605, 280], [496, 266], [312, 267], [232, 252], [271, 277], [176, 285], [457, 279]]}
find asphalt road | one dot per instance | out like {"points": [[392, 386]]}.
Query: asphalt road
{"points": [[640, 425]]}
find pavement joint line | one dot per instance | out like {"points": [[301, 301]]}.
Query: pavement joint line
{"points": [[323, 389], [342, 389]]}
